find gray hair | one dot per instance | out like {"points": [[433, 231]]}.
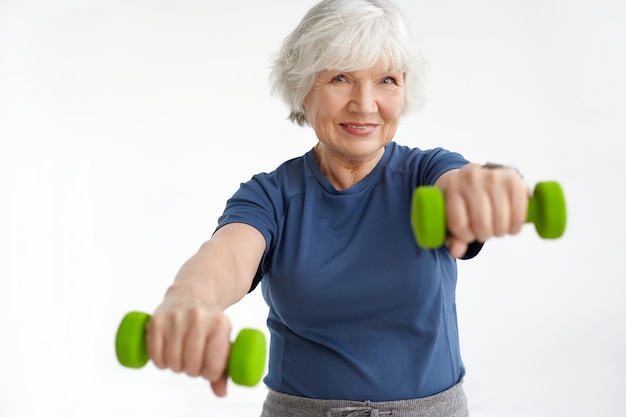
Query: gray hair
{"points": [[347, 35]]}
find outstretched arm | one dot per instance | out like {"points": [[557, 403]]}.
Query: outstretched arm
{"points": [[188, 332]]}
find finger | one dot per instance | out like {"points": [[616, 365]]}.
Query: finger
{"points": [[501, 211], [519, 208], [173, 347], [154, 341], [457, 218], [220, 386], [194, 348], [480, 212], [217, 349], [456, 247]]}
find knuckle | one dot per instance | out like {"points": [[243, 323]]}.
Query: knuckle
{"points": [[213, 371], [173, 360], [473, 175], [195, 315], [170, 364], [516, 225], [219, 325], [458, 226], [482, 227], [155, 325], [501, 228], [192, 367]]}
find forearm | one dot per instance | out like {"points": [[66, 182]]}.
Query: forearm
{"points": [[221, 272]]}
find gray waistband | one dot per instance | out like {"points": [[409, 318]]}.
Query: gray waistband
{"points": [[449, 403]]}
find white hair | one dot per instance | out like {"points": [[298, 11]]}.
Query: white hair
{"points": [[347, 35]]}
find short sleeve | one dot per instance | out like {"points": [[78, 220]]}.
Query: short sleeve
{"points": [[256, 203]]}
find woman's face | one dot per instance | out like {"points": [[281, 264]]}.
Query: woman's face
{"points": [[355, 114]]}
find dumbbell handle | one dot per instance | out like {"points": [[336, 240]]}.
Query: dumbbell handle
{"points": [[246, 363], [546, 209]]}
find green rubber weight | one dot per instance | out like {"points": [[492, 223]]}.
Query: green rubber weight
{"points": [[130, 342], [428, 217], [546, 209], [246, 363], [247, 358]]}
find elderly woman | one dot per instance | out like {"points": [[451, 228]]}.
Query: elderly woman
{"points": [[361, 318]]}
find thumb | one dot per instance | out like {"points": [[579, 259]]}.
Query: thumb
{"points": [[219, 386]]}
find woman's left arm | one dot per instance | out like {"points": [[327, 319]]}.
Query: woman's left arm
{"points": [[482, 203]]}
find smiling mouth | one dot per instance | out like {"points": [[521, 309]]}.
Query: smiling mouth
{"points": [[359, 129], [359, 126]]}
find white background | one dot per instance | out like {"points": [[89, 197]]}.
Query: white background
{"points": [[125, 126]]}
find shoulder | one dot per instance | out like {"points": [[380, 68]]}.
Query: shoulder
{"points": [[278, 185], [426, 165], [404, 153]]}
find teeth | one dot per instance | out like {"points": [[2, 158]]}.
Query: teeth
{"points": [[358, 127]]}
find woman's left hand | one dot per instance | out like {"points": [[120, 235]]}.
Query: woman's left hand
{"points": [[482, 203]]}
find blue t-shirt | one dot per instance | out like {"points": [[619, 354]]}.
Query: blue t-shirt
{"points": [[357, 310]]}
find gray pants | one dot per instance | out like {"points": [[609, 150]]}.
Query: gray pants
{"points": [[450, 403]]}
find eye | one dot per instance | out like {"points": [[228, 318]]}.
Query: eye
{"points": [[389, 81], [339, 78]]}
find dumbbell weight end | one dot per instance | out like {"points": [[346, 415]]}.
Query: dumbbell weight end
{"points": [[428, 217], [130, 341], [547, 210]]}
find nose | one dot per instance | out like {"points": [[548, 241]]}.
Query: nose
{"points": [[363, 99]]}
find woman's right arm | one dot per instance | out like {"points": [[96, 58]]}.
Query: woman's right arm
{"points": [[189, 332]]}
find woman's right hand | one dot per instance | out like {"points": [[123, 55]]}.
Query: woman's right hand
{"points": [[188, 335], [189, 332]]}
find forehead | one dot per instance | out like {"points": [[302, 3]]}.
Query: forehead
{"points": [[375, 71]]}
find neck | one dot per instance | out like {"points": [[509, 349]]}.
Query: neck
{"points": [[343, 172]]}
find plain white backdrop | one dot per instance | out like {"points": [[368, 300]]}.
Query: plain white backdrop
{"points": [[125, 126]]}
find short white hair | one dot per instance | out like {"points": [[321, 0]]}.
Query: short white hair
{"points": [[347, 35]]}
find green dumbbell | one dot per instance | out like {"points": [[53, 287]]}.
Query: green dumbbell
{"points": [[546, 209], [246, 363]]}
